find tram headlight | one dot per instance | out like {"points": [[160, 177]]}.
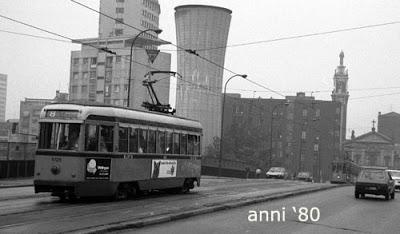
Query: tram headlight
{"points": [[55, 169]]}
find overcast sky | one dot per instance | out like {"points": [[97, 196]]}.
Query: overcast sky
{"points": [[37, 67]]}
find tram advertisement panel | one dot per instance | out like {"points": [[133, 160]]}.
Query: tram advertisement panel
{"points": [[98, 168], [163, 168]]}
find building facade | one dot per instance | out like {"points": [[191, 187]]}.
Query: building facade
{"points": [[98, 76], [140, 14], [373, 149], [3, 96], [198, 94], [389, 125], [298, 133], [341, 94]]}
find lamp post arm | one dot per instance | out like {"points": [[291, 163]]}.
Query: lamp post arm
{"points": [[222, 124], [130, 59]]}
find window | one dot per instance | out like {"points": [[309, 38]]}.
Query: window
{"points": [[14, 128], [109, 61], [123, 139], [317, 113], [169, 143], [142, 140], [304, 112], [118, 59], [60, 136], [126, 88], [119, 20], [75, 75], [151, 143], [107, 90], [175, 139], [85, 75], [91, 138], [108, 75], [183, 142], [119, 10], [85, 61], [74, 89], [160, 144], [303, 135], [133, 140], [118, 32], [93, 61], [196, 145], [190, 146], [75, 61], [84, 89], [338, 110], [121, 1], [106, 138], [116, 88], [92, 74]]}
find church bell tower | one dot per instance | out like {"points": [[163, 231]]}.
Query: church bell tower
{"points": [[341, 94]]}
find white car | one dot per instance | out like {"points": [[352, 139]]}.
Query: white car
{"points": [[396, 177], [277, 172]]}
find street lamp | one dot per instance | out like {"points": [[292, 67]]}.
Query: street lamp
{"points": [[222, 123], [158, 31], [270, 128]]}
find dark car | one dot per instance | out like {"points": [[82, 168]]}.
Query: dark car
{"points": [[305, 176], [376, 181]]}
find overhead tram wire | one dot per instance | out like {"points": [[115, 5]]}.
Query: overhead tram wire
{"points": [[72, 40], [303, 35], [35, 36], [190, 51]]}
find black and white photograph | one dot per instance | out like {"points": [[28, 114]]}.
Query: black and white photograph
{"points": [[199, 116]]}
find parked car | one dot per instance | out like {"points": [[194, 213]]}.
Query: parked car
{"points": [[376, 181], [305, 175], [277, 172], [396, 177]]}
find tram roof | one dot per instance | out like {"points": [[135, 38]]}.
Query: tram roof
{"points": [[100, 109]]}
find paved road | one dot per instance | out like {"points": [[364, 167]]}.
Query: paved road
{"points": [[47, 215], [340, 212]]}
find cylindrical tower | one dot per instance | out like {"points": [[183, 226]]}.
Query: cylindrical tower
{"points": [[198, 94]]}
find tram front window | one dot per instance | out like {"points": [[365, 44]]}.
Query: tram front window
{"points": [[59, 136]]}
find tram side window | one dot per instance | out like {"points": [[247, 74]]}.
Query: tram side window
{"points": [[151, 142], [191, 139], [68, 136], [160, 144], [142, 140], [183, 143], [123, 139], [133, 140], [169, 143], [91, 140], [175, 138], [197, 145], [106, 138], [46, 137], [64, 134]]}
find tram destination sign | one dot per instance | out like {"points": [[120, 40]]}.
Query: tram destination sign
{"points": [[61, 114]]}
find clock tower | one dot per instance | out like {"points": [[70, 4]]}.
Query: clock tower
{"points": [[341, 94]]}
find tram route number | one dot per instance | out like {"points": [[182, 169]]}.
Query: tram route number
{"points": [[56, 159]]}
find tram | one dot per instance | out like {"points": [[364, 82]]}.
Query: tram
{"points": [[344, 171], [87, 150]]}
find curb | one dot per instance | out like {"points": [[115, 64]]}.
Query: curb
{"points": [[162, 218], [15, 186]]}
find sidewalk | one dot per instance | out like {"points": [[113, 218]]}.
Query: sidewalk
{"points": [[16, 182]]}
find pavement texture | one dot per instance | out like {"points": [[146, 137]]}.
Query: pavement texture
{"points": [[16, 182], [219, 205]]}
